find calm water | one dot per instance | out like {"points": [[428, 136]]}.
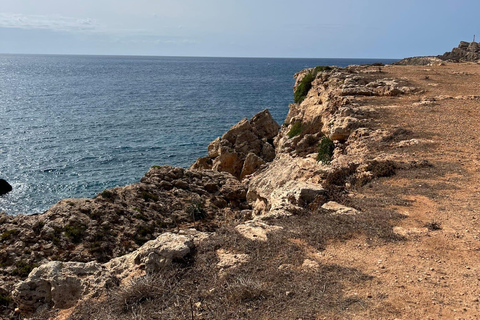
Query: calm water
{"points": [[72, 126]]}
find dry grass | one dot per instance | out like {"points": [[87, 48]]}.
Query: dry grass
{"points": [[271, 285]]}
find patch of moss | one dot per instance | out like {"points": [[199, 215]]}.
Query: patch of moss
{"points": [[325, 150], [295, 130]]}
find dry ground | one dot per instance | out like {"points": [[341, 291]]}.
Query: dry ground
{"points": [[435, 272]]}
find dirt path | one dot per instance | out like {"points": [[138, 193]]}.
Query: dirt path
{"points": [[435, 273]]}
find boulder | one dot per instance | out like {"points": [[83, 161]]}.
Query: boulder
{"points": [[62, 284], [246, 139], [5, 187], [251, 164]]}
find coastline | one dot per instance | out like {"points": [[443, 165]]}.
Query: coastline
{"points": [[333, 210]]}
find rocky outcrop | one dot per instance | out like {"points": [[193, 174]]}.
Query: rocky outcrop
{"points": [[419, 61], [5, 187], [466, 51], [62, 284], [119, 220], [244, 148]]}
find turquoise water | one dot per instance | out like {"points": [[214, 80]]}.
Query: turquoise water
{"points": [[75, 125]]}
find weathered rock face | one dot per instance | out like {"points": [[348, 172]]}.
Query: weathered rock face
{"points": [[244, 148], [466, 51], [119, 220], [5, 187], [62, 284], [329, 108]]}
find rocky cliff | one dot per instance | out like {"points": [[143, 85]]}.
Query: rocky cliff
{"points": [[243, 233]]}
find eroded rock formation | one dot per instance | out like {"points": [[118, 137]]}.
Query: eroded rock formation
{"points": [[244, 148]]}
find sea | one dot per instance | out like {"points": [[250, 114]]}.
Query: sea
{"points": [[72, 126]]}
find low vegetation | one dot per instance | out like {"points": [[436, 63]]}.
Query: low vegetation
{"points": [[295, 130], [325, 150], [306, 83]]}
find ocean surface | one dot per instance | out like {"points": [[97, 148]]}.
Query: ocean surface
{"points": [[72, 126]]}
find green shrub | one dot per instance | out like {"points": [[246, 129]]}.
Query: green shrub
{"points": [[107, 194], [325, 150], [295, 130], [75, 232], [5, 300], [196, 210], [306, 83]]}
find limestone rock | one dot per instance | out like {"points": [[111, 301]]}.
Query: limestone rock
{"points": [[256, 230], [246, 139], [251, 164], [338, 209], [5, 187], [62, 284], [466, 51], [229, 260], [342, 127], [285, 177]]}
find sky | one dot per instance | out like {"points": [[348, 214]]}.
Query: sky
{"points": [[238, 28]]}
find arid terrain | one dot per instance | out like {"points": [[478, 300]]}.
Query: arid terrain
{"points": [[363, 206]]}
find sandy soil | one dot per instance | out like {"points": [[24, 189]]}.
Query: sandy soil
{"points": [[433, 274]]}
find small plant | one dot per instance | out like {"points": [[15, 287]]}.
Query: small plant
{"points": [[295, 130], [196, 210], [433, 226], [156, 167], [5, 300], [107, 194], [9, 233], [306, 83], [325, 150], [75, 232]]}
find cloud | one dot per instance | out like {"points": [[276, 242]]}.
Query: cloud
{"points": [[55, 23]]}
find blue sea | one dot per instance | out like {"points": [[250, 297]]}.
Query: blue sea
{"points": [[72, 126]]}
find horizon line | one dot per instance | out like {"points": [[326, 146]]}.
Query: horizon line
{"points": [[182, 56]]}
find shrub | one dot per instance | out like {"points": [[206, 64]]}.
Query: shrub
{"points": [[295, 130], [325, 150], [107, 194], [196, 210], [5, 300], [75, 232], [306, 83]]}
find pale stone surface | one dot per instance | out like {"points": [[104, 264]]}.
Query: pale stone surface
{"points": [[62, 284], [309, 265], [228, 260], [339, 209], [256, 230], [405, 232]]}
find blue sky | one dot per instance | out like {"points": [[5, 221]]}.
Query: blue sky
{"points": [[240, 28]]}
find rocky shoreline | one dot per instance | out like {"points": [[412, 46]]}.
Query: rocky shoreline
{"points": [[257, 175]]}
